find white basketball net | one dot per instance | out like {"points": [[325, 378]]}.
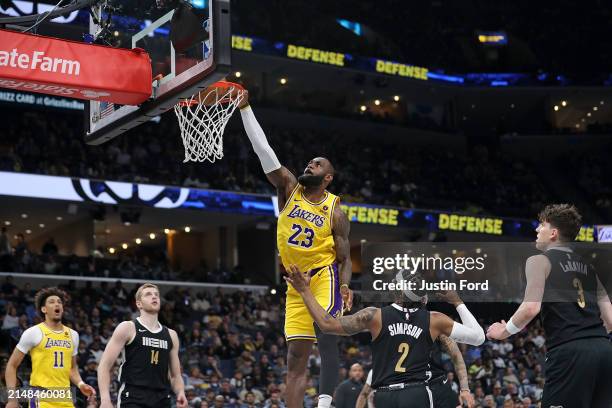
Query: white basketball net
{"points": [[202, 126]]}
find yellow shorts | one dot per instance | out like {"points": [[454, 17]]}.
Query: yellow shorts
{"points": [[325, 286], [34, 403]]}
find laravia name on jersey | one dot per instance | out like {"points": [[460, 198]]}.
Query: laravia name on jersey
{"points": [[157, 343], [38, 60], [574, 266], [58, 343], [405, 329], [297, 212]]}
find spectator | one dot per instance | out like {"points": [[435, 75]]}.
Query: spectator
{"points": [[95, 350], [348, 391], [489, 402], [249, 401], [90, 374], [49, 248], [196, 378], [219, 401], [119, 291], [227, 391], [8, 287], [249, 389], [450, 376], [6, 252], [274, 400], [497, 394], [479, 396], [11, 320], [21, 249], [510, 377]]}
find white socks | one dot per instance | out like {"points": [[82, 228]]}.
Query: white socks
{"points": [[324, 401]]}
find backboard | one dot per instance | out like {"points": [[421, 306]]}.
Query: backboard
{"points": [[198, 55]]}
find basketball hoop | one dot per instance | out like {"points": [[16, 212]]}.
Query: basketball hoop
{"points": [[203, 117]]}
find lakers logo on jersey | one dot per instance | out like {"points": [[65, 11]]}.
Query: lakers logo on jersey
{"points": [[315, 219], [52, 359], [304, 234]]}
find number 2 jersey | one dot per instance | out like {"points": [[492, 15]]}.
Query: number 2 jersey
{"points": [[569, 304], [400, 353], [146, 359], [304, 232]]}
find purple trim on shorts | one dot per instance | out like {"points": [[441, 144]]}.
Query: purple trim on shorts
{"points": [[336, 307]]}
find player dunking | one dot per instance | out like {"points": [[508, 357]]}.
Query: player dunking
{"points": [[312, 233], [570, 296], [53, 349], [402, 337], [150, 365]]}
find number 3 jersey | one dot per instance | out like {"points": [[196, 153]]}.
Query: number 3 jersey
{"points": [[146, 358], [569, 304], [400, 353], [304, 233], [51, 353]]}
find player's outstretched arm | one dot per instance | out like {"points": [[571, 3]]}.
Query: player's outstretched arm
{"points": [[468, 331], [75, 378], [176, 379], [537, 269], [368, 319], [122, 335], [278, 175], [341, 229], [29, 339], [450, 347]]}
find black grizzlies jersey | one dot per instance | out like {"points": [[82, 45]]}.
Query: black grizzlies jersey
{"points": [[146, 359], [569, 305], [437, 367], [400, 353]]}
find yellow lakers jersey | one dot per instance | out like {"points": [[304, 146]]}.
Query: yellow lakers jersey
{"points": [[52, 358], [304, 233]]}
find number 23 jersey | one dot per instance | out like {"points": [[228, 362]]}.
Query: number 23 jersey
{"points": [[304, 234]]}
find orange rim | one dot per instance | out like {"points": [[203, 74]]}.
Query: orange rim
{"points": [[218, 84]]}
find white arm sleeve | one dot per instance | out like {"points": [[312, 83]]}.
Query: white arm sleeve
{"points": [[75, 342], [256, 135], [470, 331], [369, 379], [29, 339]]}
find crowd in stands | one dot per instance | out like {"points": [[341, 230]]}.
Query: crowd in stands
{"points": [[480, 180], [590, 172], [442, 35], [151, 263], [233, 352]]}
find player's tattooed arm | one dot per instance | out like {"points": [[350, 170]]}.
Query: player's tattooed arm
{"points": [[364, 320], [450, 347], [341, 230], [361, 321]]}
